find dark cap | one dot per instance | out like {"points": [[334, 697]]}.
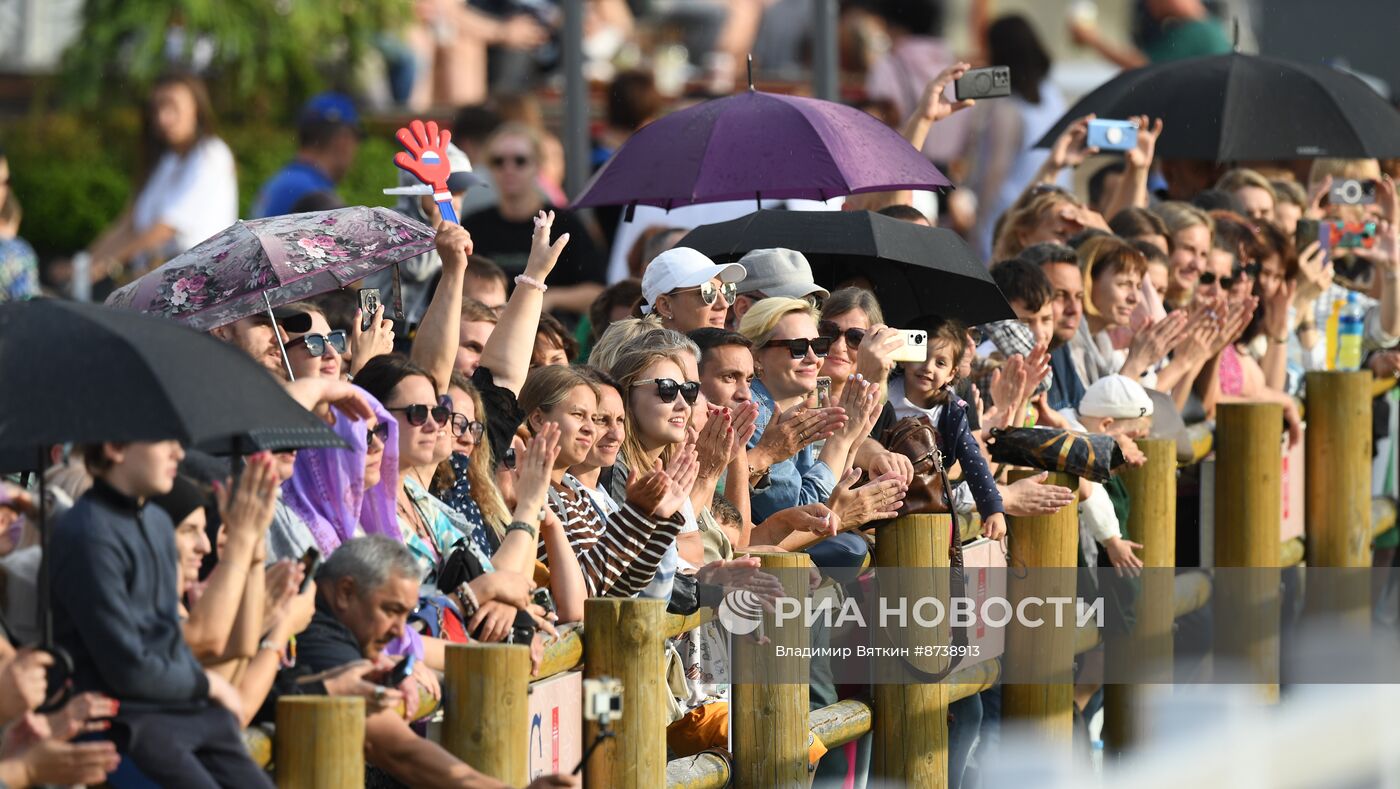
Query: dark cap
{"points": [[330, 108], [290, 318]]}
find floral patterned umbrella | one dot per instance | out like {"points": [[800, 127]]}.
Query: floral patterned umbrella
{"points": [[254, 266]]}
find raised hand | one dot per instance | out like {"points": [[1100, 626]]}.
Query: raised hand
{"points": [[680, 478], [934, 106], [532, 472], [1140, 156], [878, 499], [715, 443], [1070, 148], [367, 344], [1315, 275], [1152, 344], [426, 159], [744, 419], [645, 491], [454, 245], [249, 504], [544, 255], [789, 432], [873, 360]]}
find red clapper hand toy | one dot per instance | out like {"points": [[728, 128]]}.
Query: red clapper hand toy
{"points": [[428, 161]]}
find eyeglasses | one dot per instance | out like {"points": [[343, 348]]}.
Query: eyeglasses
{"points": [[316, 343], [461, 425], [667, 389], [1208, 278], [418, 413], [798, 346], [708, 292], [518, 160], [379, 431], [831, 331]]}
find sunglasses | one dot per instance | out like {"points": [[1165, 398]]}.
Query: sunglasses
{"points": [[316, 343], [501, 161], [418, 413], [667, 389], [379, 431], [831, 331], [461, 426], [708, 292], [1209, 278], [799, 346]]}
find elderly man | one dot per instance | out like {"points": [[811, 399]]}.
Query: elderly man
{"points": [[365, 592]]}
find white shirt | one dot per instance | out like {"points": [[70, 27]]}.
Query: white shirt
{"points": [[196, 194]]}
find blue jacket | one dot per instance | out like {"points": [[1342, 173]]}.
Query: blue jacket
{"points": [[801, 479], [115, 605], [293, 182]]}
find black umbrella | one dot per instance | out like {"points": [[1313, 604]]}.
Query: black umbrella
{"points": [[86, 373], [916, 270], [1238, 107], [79, 372]]}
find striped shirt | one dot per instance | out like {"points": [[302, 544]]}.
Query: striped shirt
{"points": [[619, 555]]}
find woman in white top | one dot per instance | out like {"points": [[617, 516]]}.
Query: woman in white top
{"points": [[188, 188]]}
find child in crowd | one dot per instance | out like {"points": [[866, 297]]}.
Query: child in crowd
{"points": [[926, 390], [1118, 406]]}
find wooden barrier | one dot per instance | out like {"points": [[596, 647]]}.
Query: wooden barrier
{"points": [[626, 640], [1037, 543], [1152, 522], [1338, 498], [768, 719], [320, 742], [488, 709], [1248, 510], [910, 728]]}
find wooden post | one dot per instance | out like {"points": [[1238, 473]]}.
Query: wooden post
{"points": [[768, 718], [320, 742], [625, 640], [1152, 522], [1338, 494], [1248, 513], [910, 719], [487, 721], [1039, 544]]}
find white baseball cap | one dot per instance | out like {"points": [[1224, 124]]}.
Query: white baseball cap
{"points": [[682, 267], [1116, 397]]}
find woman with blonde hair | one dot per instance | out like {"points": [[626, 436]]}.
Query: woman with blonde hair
{"points": [[1192, 231], [1050, 215]]}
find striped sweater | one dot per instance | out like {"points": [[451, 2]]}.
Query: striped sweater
{"points": [[619, 555]]}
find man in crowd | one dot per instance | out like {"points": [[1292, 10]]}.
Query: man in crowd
{"points": [[328, 136], [775, 272]]}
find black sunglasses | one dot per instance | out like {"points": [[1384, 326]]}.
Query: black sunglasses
{"points": [[798, 346], [316, 343], [831, 331], [417, 414], [1209, 278], [667, 389], [379, 431], [461, 425], [708, 292], [500, 161]]}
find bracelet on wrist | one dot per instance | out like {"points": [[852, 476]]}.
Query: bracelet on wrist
{"points": [[522, 526], [531, 282]]}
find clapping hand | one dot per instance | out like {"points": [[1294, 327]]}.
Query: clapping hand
{"points": [[878, 499]]}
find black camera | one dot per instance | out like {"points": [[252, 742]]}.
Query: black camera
{"points": [[984, 83]]}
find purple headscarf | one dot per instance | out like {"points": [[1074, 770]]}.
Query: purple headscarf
{"points": [[327, 485]]}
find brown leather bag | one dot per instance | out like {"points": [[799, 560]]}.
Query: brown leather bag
{"points": [[916, 438], [930, 492]]}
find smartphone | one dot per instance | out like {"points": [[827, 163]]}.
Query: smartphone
{"points": [[1308, 232], [542, 598], [310, 562], [1353, 192], [369, 305], [1351, 235], [984, 83], [1111, 135], [399, 672], [915, 348], [823, 391]]}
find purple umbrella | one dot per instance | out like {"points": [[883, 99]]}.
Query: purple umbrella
{"points": [[254, 266], [754, 145]]}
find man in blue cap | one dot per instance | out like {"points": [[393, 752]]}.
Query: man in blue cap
{"points": [[328, 135]]}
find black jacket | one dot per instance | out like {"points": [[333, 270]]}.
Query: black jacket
{"points": [[115, 605]]}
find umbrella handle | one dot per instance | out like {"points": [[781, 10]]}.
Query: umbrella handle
{"points": [[60, 677]]}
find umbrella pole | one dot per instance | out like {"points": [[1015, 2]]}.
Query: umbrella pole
{"points": [[277, 332], [45, 601]]}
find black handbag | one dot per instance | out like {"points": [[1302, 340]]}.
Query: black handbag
{"points": [[462, 566], [1091, 456]]}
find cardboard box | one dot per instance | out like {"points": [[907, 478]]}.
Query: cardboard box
{"points": [[984, 561], [556, 724]]}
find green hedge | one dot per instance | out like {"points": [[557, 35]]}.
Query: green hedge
{"points": [[74, 177]]}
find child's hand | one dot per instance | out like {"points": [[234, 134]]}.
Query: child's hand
{"points": [[994, 526], [1121, 556]]}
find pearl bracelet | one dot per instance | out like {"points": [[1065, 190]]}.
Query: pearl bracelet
{"points": [[532, 282]]}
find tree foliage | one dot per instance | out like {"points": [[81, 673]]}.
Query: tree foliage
{"points": [[258, 54]]}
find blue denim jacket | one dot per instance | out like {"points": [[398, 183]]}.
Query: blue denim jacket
{"points": [[801, 479]]}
